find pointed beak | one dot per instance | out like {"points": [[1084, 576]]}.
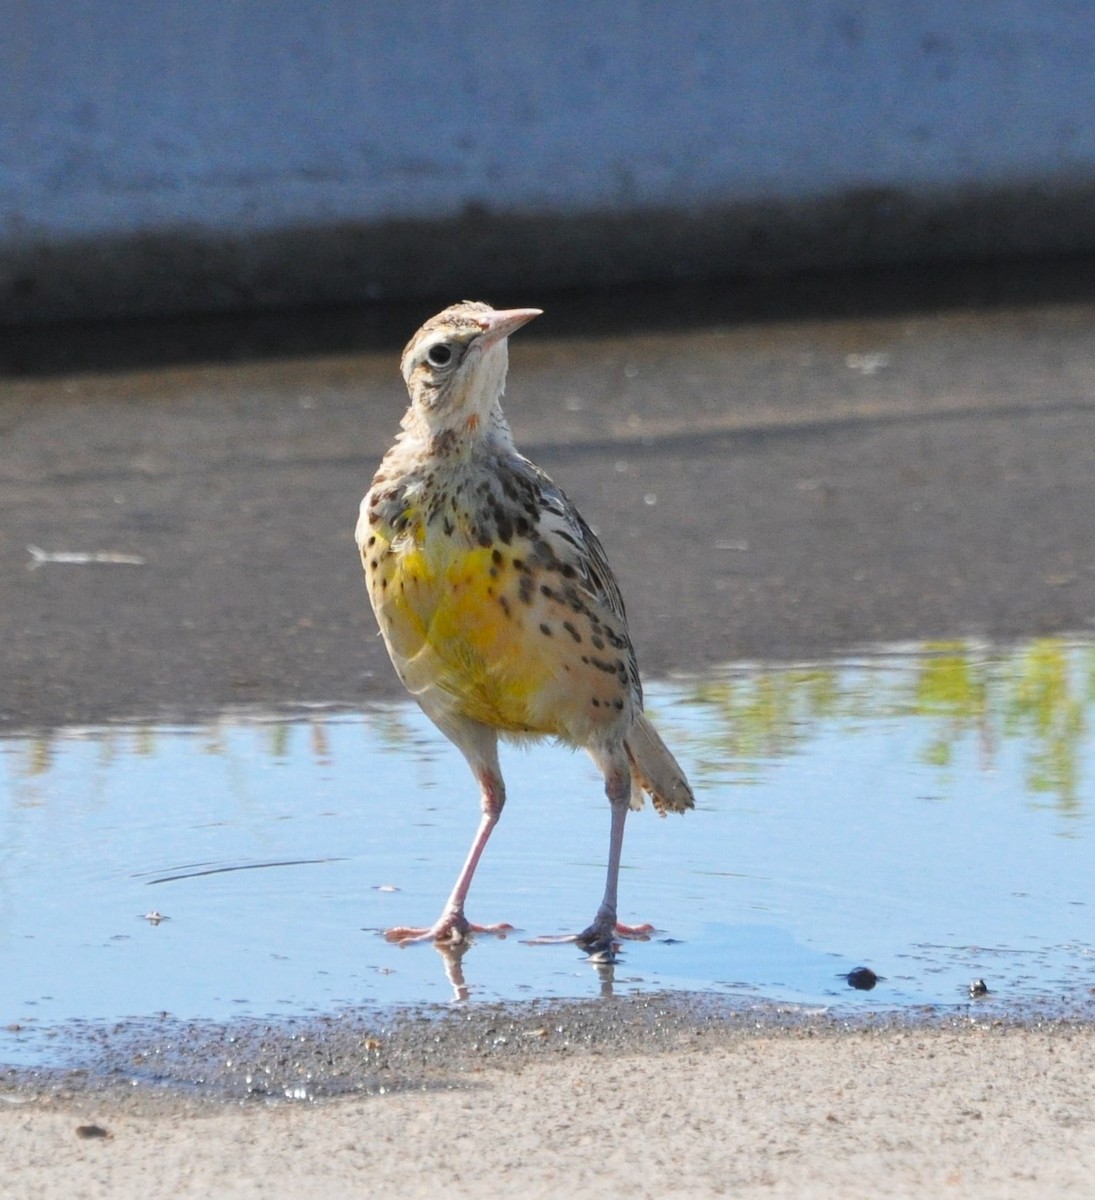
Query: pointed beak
{"points": [[501, 323]]}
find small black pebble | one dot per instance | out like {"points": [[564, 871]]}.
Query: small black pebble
{"points": [[91, 1131], [862, 978]]}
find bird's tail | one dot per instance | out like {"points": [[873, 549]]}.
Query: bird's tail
{"points": [[655, 770]]}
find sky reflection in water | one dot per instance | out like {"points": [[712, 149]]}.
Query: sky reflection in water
{"points": [[924, 810]]}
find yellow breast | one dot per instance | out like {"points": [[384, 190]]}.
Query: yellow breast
{"points": [[451, 618]]}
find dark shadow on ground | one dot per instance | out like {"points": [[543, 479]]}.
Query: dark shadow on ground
{"points": [[45, 349]]}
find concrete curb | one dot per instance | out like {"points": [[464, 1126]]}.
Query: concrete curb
{"points": [[200, 156]]}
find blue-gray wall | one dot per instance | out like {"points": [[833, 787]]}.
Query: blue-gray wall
{"points": [[167, 154]]}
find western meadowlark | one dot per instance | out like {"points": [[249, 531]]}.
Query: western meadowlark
{"points": [[496, 602]]}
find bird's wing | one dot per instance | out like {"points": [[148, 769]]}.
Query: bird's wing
{"points": [[567, 537], [573, 541]]}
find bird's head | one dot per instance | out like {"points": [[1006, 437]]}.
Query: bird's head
{"points": [[455, 366]]}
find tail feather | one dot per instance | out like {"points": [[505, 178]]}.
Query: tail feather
{"points": [[655, 770]]}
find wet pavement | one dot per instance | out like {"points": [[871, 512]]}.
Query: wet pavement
{"points": [[765, 486], [833, 464]]}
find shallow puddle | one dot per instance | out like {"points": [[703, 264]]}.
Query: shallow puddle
{"points": [[924, 811]]}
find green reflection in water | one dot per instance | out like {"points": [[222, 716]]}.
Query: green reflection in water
{"points": [[1038, 694]]}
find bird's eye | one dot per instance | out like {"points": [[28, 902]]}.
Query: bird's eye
{"points": [[440, 355]]}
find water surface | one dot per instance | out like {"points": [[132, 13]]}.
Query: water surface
{"points": [[925, 811]]}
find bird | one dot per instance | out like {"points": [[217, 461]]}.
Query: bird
{"points": [[497, 604]]}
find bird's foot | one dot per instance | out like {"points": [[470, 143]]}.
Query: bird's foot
{"points": [[601, 940], [452, 929]]}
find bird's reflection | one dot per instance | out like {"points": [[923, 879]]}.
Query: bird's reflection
{"points": [[606, 971], [453, 958], [452, 955]]}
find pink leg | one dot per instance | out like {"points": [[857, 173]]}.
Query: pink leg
{"points": [[598, 939], [452, 926]]}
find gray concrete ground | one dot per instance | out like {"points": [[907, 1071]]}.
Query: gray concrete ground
{"points": [[778, 471]]}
